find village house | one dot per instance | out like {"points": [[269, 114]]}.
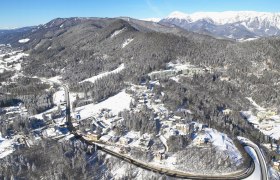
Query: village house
{"points": [[276, 165], [191, 71], [92, 137], [200, 139], [162, 74], [158, 156], [227, 111], [124, 140], [105, 138], [182, 127], [266, 114], [124, 150], [144, 142]]}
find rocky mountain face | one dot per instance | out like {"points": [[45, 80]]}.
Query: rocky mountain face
{"points": [[233, 25]]}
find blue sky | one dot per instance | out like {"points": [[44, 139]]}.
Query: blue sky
{"points": [[19, 13]]}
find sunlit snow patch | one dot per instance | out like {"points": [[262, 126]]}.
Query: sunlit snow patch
{"points": [[94, 78], [127, 42], [24, 40], [59, 97], [6, 147], [115, 33], [16, 57]]}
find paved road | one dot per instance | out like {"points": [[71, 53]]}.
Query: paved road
{"points": [[162, 170], [260, 156], [68, 110]]}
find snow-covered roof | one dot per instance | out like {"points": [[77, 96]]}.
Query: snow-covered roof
{"points": [[105, 138]]}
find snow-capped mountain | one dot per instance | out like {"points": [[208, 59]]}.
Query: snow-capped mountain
{"points": [[229, 24]]}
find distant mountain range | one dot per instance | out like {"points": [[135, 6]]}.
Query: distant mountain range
{"points": [[239, 25], [233, 25]]}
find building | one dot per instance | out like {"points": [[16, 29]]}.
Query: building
{"points": [[162, 74], [193, 126], [92, 137], [114, 139], [157, 101], [265, 114], [168, 123], [144, 142], [124, 150], [192, 70], [124, 140], [276, 165], [227, 111], [177, 117], [160, 156], [78, 116], [182, 127], [105, 138], [170, 132], [201, 139], [225, 78], [204, 126]]}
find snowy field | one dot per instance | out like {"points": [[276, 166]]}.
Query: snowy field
{"points": [[3, 68], [116, 103], [56, 79], [94, 78], [52, 80], [16, 57], [59, 96], [6, 147]]}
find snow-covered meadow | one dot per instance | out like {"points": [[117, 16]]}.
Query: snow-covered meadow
{"points": [[116, 103]]}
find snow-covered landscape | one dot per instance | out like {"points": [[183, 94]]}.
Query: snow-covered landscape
{"points": [[151, 90]]}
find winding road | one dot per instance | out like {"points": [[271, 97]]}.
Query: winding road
{"points": [[260, 157], [246, 174]]}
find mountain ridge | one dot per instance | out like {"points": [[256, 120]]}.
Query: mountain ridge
{"points": [[227, 16], [228, 24]]}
